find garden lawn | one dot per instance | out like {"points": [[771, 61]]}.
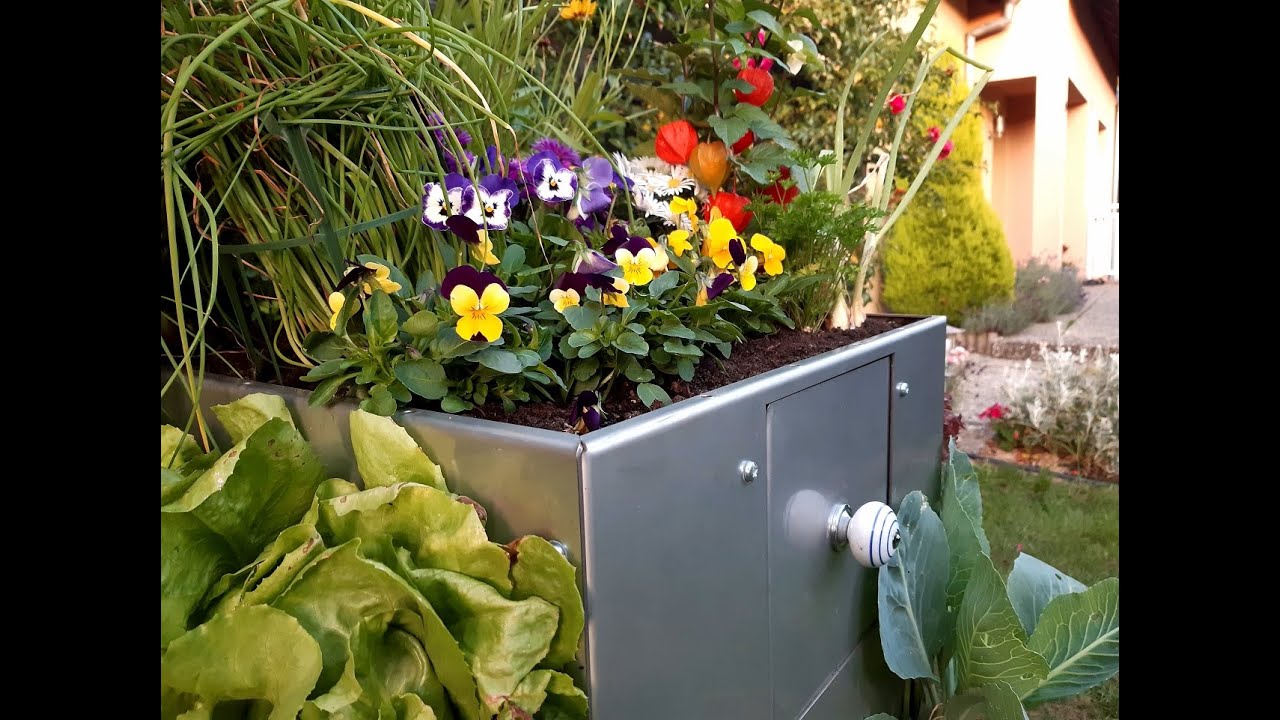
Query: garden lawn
{"points": [[1073, 526]]}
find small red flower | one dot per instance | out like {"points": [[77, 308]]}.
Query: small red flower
{"points": [[897, 104], [744, 142], [762, 86], [995, 412], [946, 150], [676, 141], [1019, 547], [780, 194], [934, 133], [732, 207]]}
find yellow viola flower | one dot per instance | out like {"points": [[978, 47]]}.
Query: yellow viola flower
{"points": [[618, 298], [747, 273], [336, 301], [773, 253], [479, 314], [719, 233], [579, 10], [637, 269], [485, 249], [564, 299], [687, 207], [660, 258], [679, 241], [381, 280]]}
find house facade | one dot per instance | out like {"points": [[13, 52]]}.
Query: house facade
{"points": [[1051, 160]]}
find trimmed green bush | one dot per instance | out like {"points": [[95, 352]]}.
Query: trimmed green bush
{"points": [[947, 253]]}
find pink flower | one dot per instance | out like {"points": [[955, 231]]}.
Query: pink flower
{"points": [[946, 150], [995, 412], [897, 104], [934, 133], [1019, 547]]}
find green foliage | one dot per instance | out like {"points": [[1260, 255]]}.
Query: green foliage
{"points": [[1044, 636], [283, 596], [822, 236], [947, 253], [1040, 295]]}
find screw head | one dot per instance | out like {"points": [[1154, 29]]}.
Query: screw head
{"points": [[748, 470], [560, 548], [902, 389]]}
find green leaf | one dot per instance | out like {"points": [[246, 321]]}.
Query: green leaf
{"points": [[386, 455], [421, 323], [529, 358], [1079, 636], [503, 639], [176, 447], [1033, 584], [585, 369], [581, 338], [242, 417], [673, 328], [992, 702], [767, 21], [990, 642], [550, 694], [454, 404], [630, 342], [380, 322], [424, 378], [256, 653], [912, 592], [379, 401], [729, 129], [675, 347], [735, 83], [539, 570], [270, 573], [192, 558], [512, 258], [436, 530], [663, 283], [503, 361], [324, 346], [325, 391], [353, 605], [258, 488], [962, 530], [726, 349], [636, 372], [960, 489], [687, 88], [762, 125], [581, 318], [589, 349], [326, 369], [650, 393]]}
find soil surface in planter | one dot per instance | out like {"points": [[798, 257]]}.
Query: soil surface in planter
{"points": [[748, 359]]}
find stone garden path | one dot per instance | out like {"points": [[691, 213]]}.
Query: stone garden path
{"points": [[1096, 323]]}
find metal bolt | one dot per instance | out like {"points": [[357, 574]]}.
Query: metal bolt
{"points": [[838, 526], [748, 470], [902, 389], [560, 548]]}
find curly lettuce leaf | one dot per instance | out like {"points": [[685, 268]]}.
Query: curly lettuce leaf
{"points": [[538, 570], [176, 447], [386, 455], [244, 416]]}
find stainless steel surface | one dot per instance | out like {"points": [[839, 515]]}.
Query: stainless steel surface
{"points": [[749, 471], [680, 622], [838, 526], [827, 443], [903, 389]]}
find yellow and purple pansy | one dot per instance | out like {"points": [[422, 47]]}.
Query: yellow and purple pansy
{"points": [[478, 298], [772, 252], [586, 415]]}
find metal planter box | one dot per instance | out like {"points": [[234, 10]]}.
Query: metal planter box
{"points": [[711, 591]]}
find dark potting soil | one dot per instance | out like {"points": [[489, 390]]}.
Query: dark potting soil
{"points": [[748, 359]]}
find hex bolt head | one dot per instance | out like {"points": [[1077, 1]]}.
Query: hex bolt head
{"points": [[748, 470], [902, 389]]}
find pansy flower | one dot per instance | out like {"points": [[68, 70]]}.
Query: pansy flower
{"points": [[660, 259], [720, 234], [440, 202], [478, 298], [684, 208], [772, 252], [710, 289], [566, 155], [599, 180], [552, 182], [586, 415], [378, 279], [564, 299], [590, 262], [484, 251], [617, 293], [678, 241], [489, 203], [336, 301], [637, 268]]}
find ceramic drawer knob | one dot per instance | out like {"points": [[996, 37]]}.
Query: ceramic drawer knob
{"points": [[873, 534]]}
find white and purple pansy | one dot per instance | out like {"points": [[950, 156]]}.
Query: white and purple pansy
{"points": [[552, 182], [599, 180], [489, 203], [440, 202]]}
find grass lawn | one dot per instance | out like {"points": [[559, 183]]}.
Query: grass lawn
{"points": [[1074, 527]]}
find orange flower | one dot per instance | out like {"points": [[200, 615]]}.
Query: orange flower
{"points": [[676, 141], [761, 86], [710, 164]]}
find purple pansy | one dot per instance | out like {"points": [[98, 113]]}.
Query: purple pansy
{"points": [[452, 165], [552, 181], [563, 154], [620, 239], [440, 134], [488, 204], [586, 415], [718, 285], [466, 275], [592, 262], [596, 195], [579, 282], [737, 252]]}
